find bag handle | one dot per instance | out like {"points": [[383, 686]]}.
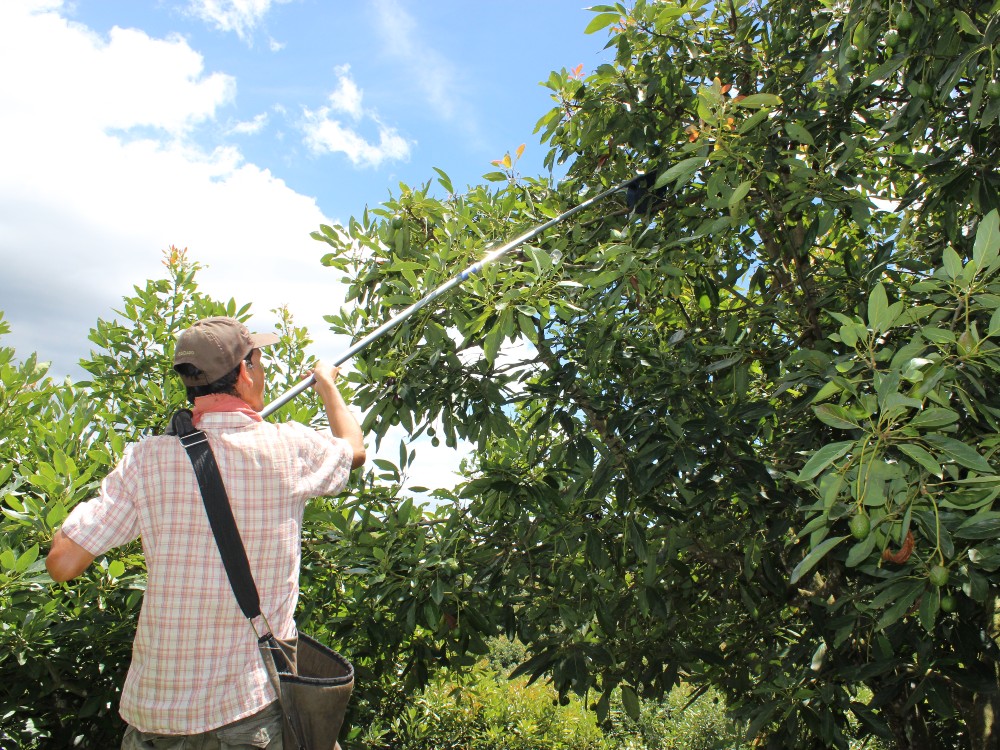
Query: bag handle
{"points": [[220, 514]]}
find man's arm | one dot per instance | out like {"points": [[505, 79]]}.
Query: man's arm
{"points": [[66, 559], [342, 422]]}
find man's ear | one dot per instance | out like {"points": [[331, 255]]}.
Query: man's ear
{"points": [[244, 380]]}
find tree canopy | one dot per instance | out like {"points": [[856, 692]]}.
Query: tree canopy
{"points": [[736, 428]]}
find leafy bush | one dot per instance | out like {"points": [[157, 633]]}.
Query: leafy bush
{"points": [[684, 720], [505, 654], [488, 712], [63, 651]]}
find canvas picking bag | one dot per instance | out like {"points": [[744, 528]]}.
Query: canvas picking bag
{"points": [[313, 682]]}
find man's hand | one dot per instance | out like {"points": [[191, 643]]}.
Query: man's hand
{"points": [[342, 421], [66, 559]]}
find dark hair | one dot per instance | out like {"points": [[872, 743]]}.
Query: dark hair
{"points": [[225, 384]]}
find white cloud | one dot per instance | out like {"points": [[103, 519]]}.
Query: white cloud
{"points": [[250, 127], [86, 211], [99, 83], [346, 97], [326, 134], [239, 16]]}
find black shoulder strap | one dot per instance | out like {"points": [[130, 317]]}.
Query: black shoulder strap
{"points": [[220, 514]]}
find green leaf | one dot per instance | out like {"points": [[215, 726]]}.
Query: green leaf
{"points": [[878, 309], [922, 457], [930, 604], [445, 180], [816, 554], [849, 334], [722, 364], [798, 133], [934, 417], [836, 416], [940, 336], [116, 569], [630, 702], [951, 262], [753, 121], [984, 525], [739, 193], [966, 24], [994, 328], [762, 717], [823, 458], [902, 603], [682, 169], [830, 388], [491, 344], [601, 21], [540, 259], [755, 101], [960, 452], [818, 657], [26, 559], [988, 561], [860, 551], [987, 246], [668, 15]]}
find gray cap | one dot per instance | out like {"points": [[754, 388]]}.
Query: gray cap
{"points": [[216, 346]]}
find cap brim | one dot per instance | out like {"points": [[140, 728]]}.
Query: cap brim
{"points": [[263, 339]]}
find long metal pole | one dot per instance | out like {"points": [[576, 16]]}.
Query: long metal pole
{"points": [[475, 268]]}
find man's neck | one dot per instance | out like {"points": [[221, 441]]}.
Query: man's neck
{"points": [[221, 402]]}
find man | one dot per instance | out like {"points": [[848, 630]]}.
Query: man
{"points": [[196, 675]]}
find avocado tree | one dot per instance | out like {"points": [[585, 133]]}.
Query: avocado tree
{"points": [[735, 426]]}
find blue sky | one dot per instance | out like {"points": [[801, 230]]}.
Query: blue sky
{"points": [[235, 127]]}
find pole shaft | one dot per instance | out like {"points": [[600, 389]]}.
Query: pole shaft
{"points": [[475, 268]]}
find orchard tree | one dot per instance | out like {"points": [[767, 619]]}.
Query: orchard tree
{"points": [[735, 426]]}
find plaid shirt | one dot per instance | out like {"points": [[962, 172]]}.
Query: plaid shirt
{"points": [[195, 664]]}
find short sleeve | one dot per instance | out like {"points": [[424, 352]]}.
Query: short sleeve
{"points": [[111, 519]]}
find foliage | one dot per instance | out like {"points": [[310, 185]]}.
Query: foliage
{"points": [[684, 720], [387, 577], [63, 651], [487, 712], [703, 413]]}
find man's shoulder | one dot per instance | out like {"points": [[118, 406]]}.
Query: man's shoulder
{"points": [[297, 430]]}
